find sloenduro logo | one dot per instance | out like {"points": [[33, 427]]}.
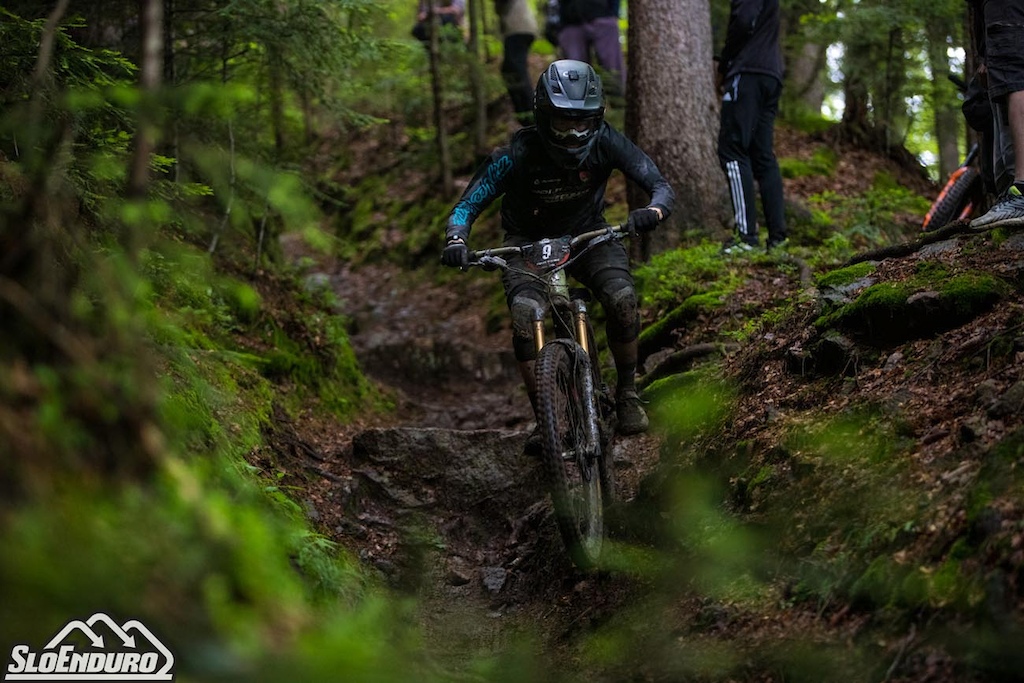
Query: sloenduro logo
{"points": [[130, 659]]}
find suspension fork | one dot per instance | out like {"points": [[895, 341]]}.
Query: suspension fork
{"points": [[580, 319], [538, 331]]}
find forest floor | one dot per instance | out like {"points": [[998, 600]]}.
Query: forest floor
{"points": [[393, 311]]}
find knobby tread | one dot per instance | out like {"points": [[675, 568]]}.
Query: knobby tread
{"points": [[953, 200], [558, 360]]}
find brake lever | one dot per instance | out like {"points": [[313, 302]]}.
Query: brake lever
{"points": [[491, 262]]}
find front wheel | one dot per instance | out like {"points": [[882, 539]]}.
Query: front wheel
{"points": [[571, 453], [956, 201]]}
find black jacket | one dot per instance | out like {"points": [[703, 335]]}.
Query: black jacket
{"points": [[545, 200], [752, 39]]}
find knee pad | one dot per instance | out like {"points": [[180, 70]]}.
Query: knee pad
{"points": [[620, 304], [525, 310]]}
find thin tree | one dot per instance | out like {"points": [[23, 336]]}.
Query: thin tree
{"points": [[437, 89], [672, 113], [805, 40], [150, 72], [476, 79]]}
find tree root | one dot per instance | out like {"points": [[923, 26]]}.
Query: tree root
{"points": [[907, 248], [680, 361]]}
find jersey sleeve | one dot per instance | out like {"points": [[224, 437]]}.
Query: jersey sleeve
{"points": [[638, 167], [487, 184]]}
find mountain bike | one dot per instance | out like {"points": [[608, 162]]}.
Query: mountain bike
{"points": [[959, 196], [964, 190], [575, 410]]}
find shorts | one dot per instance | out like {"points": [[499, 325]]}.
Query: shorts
{"points": [[593, 270], [1004, 46]]}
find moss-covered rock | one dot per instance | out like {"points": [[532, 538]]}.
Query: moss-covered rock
{"points": [[887, 313]]}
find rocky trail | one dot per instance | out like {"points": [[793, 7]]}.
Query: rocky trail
{"points": [[437, 496]]}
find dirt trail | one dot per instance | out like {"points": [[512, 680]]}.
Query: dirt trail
{"points": [[487, 569]]}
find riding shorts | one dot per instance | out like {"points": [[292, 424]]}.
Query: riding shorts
{"points": [[1003, 52], [604, 270]]}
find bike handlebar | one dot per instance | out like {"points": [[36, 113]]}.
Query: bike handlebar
{"points": [[493, 255]]}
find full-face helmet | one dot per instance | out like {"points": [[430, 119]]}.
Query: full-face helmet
{"points": [[569, 109]]}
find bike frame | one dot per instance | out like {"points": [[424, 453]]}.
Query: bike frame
{"points": [[560, 299]]}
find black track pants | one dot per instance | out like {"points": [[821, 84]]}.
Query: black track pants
{"points": [[746, 152]]}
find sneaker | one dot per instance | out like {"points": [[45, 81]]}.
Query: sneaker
{"points": [[1008, 210], [778, 245], [631, 416], [737, 248], [534, 442]]}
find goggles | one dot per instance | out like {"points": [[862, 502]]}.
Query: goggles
{"points": [[573, 130]]}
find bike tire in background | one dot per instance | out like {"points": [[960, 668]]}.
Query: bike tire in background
{"points": [[955, 202], [575, 486]]}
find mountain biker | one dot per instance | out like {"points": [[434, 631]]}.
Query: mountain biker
{"points": [[552, 177]]}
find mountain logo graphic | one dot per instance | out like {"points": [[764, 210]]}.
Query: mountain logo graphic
{"points": [[133, 653]]}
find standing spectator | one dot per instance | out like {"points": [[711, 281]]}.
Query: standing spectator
{"points": [[449, 14], [518, 30], [750, 81], [999, 34], [552, 21], [592, 26]]}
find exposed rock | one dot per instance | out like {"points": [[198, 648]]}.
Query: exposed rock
{"points": [[493, 578]]}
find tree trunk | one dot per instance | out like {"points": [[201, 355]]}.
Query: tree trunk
{"points": [[275, 67], [670, 43], [944, 101], [150, 71], [437, 90], [476, 80], [804, 73], [804, 57]]}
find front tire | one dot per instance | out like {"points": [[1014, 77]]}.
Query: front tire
{"points": [[956, 199], [574, 476]]}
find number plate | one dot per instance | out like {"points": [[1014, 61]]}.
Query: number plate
{"points": [[547, 254]]}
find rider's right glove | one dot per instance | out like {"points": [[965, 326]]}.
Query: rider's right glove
{"points": [[643, 220], [456, 253]]}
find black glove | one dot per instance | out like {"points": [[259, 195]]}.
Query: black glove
{"points": [[642, 220], [456, 253]]}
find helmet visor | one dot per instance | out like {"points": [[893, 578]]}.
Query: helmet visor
{"points": [[573, 131]]}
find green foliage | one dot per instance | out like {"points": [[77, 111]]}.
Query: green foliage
{"points": [[673, 276], [201, 556], [689, 403], [868, 221], [861, 506], [797, 115], [845, 276], [129, 415], [822, 163]]}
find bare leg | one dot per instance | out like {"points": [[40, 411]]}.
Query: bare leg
{"points": [[1015, 113]]}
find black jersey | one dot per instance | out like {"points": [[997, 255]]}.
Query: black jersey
{"points": [[541, 199]]}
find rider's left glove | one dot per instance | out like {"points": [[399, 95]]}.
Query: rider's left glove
{"points": [[456, 253], [643, 220]]}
